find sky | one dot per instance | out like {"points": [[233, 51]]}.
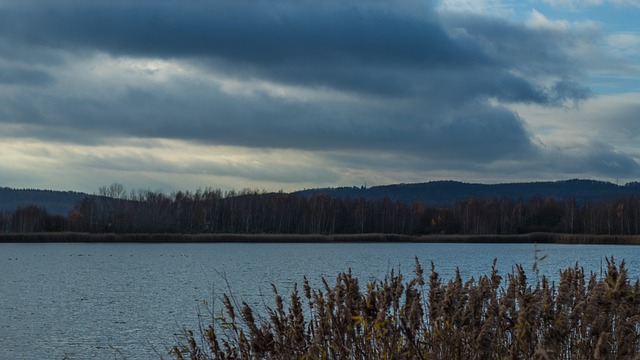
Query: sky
{"points": [[292, 94]]}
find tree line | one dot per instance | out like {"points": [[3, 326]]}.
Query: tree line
{"points": [[114, 210]]}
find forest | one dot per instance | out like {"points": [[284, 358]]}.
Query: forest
{"points": [[212, 211]]}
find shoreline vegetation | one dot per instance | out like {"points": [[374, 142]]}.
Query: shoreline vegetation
{"points": [[213, 216], [582, 316], [212, 211], [530, 238]]}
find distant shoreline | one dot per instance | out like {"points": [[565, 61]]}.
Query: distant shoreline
{"points": [[539, 237]]}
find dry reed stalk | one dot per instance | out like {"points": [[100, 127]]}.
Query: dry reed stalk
{"points": [[583, 317]]}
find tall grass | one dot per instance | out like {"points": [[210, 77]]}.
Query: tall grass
{"points": [[584, 316], [43, 237]]}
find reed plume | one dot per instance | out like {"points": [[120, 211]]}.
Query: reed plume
{"points": [[584, 316]]}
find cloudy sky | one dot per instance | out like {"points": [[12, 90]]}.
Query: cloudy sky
{"points": [[292, 94]]}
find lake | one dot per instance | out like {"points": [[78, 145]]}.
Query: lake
{"points": [[114, 301]]}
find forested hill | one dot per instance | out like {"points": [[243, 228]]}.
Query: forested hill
{"points": [[55, 202], [435, 193], [573, 206], [444, 193]]}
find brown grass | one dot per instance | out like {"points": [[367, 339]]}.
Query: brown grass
{"points": [[44, 237], [582, 317]]}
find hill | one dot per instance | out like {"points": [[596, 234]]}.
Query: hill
{"points": [[56, 202], [443, 193], [432, 194]]}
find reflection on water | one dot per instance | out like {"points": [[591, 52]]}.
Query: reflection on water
{"points": [[128, 300]]}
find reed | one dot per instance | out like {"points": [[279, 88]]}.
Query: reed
{"points": [[558, 238], [584, 316]]}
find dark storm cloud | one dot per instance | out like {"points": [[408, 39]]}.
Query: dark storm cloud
{"points": [[476, 131], [352, 46], [252, 32], [569, 90], [11, 75], [425, 84], [534, 50], [595, 158], [612, 163]]}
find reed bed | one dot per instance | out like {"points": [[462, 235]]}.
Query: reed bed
{"points": [[584, 316], [538, 237], [44, 237]]}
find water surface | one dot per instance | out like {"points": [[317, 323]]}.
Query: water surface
{"points": [[118, 301]]}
